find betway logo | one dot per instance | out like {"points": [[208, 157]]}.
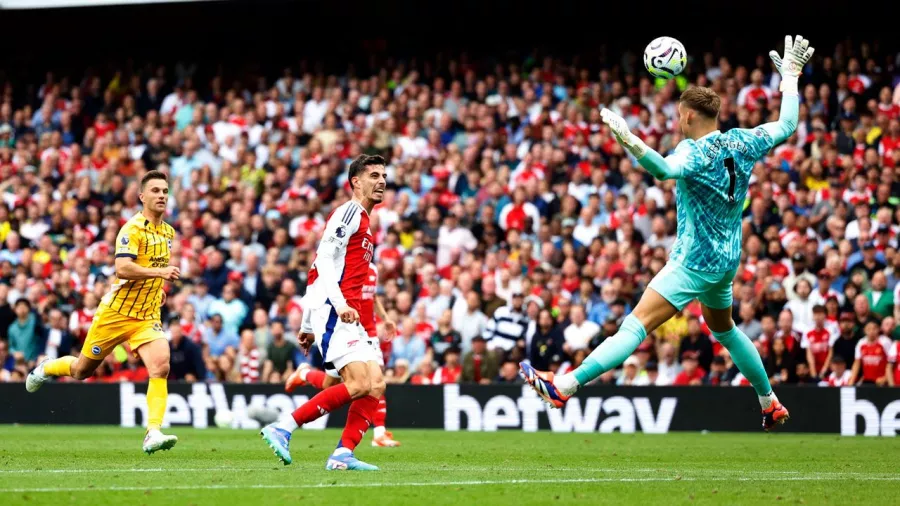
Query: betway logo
{"points": [[620, 413], [202, 403], [886, 423]]}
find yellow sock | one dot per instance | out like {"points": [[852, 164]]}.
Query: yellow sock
{"points": [[61, 366], [157, 395]]}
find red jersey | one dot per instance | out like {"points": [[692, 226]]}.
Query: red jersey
{"points": [[819, 341], [368, 300], [893, 357], [873, 356], [886, 149], [684, 379], [445, 375], [348, 244], [843, 380]]}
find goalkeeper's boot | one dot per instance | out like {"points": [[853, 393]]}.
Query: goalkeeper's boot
{"points": [[294, 380], [775, 414], [343, 460], [279, 440], [155, 441], [542, 383], [36, 378]]}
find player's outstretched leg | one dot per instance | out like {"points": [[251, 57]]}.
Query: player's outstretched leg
{"points": [[382, 437], [651, 312], [365, 377], [748, 361], [278, 435], [47, 369]]}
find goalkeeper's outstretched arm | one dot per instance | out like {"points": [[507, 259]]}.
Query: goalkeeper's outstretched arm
{"points": [[796, 53], [661, 168], [788, 116]]}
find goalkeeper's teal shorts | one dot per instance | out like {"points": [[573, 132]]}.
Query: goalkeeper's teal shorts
{"points": [[680, 285]]}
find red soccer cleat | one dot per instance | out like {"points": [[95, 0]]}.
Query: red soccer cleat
{"points": [[775, 415], [294, 380], [542, 383]]}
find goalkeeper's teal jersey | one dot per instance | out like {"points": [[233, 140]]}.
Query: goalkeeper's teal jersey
{"points": [[715, 173]]}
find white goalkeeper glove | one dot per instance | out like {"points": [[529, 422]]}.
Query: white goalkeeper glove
{"points": [[623, 134], [796, 53]]}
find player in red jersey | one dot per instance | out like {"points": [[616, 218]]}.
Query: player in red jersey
{"points": [[871, 365], [335, 312], [817, 342], [305, 375]]}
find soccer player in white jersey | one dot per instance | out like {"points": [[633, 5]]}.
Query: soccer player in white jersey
{"points": [[712, 171], [335, 305]]}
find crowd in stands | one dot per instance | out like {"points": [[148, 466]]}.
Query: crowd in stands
{"points": [[514, 227]]}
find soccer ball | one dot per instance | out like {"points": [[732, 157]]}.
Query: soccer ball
{"points": [[665, 57], [223, 419]]}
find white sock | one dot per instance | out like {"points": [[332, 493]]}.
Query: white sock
{"points": [[379, 431], [567, 384], [287, 423], [766, 400], [341, 451]]}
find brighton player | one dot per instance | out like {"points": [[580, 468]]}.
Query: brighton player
{"points": [[334, 304], [305, 375], [712, 170], [130, 311]]}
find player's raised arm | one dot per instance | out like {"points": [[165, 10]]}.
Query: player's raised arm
{"points": [[796, 53], [670, 167]]}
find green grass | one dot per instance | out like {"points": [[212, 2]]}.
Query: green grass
{"points": [[104, 465]]}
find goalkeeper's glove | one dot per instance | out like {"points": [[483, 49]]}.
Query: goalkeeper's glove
{"points": [[796, 53], [623, 134]]}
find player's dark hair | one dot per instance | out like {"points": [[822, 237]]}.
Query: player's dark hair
{"points": [[153, 174], [703, 100], [361, 162], [818, 308]]}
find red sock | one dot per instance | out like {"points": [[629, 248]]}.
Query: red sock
{"points": [[380, 413], [325, 401], [315, 378], [358, 420]]}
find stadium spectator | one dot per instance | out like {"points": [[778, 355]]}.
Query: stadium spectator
{"points": [[451, 370], [507, 327], [218, 338], [24, 332], [186, 362], [280, 353], [479, 366]]}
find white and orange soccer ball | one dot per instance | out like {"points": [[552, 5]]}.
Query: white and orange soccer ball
{"points": [[665, 57]]}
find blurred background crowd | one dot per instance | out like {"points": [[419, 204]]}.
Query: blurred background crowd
{"points": [[514, 227]]}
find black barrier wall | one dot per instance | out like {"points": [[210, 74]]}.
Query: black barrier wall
{"points": [[657, 410]]}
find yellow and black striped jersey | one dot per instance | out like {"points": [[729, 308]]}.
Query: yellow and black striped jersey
{"points": [[149, 246]]}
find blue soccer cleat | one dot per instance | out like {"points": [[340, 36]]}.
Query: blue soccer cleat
{"points": [[347, 462], [542, 383], [278, 440]]}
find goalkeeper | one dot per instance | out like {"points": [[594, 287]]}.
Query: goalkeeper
{"points": [[712, 172]]}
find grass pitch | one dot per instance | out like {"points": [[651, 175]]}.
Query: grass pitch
{"points": [[104, 465]]}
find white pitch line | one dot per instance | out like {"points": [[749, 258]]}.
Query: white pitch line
{"points": [[404, 469], [419, 484]]}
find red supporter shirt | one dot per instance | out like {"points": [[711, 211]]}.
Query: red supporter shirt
{"points": [[873, 356], [818, 341], [893, 357], [684, 379]]}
